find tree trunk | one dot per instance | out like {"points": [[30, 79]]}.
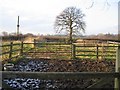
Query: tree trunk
{"points": [[70, 36]]}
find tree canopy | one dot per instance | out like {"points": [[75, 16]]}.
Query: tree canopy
{"points": [[70, 20]]}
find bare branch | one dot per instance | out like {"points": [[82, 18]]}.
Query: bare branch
{"points": [[106, 3], [92, 3], [70, 19]]}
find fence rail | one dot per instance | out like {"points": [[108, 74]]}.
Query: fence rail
{"points": [[13, 50], [60, 75], [75, 51], [94, 51]]}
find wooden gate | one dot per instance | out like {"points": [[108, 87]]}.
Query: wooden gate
{"points": [[63, 75]]}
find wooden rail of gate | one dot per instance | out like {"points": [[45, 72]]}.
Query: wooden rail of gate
{"points": [[59, 75], [93, 51]]}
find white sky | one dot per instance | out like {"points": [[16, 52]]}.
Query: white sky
{"points": [[38, 16]]}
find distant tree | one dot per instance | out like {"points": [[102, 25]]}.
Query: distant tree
{"points": [[5, 33], [71, 20], [29, 34]]}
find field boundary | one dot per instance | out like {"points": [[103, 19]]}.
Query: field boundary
{"points": [[74, 51]]}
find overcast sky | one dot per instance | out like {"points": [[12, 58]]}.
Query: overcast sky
{"points": [[38, 16]]}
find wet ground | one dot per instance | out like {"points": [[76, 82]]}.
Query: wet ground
{"points": [[65, 66], [58, 66]]}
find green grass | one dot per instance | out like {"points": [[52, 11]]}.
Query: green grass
{"points": [[103, 52], [57, 51], [17, 47], [63, 51]]}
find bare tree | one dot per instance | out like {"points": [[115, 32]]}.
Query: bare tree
{"points": [[71, 20]]}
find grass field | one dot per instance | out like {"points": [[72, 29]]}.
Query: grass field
{"points": [[13, 48], [60, 50], [106, 51]]}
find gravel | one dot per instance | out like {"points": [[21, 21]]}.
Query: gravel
{"points": [[36, 84], [65, 66], [58, 66]]}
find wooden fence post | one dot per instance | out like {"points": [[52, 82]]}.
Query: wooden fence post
{"points": [[117, 68], [21, 51], [73, 51], [10, 53], [97, 50], [34, 43]]}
